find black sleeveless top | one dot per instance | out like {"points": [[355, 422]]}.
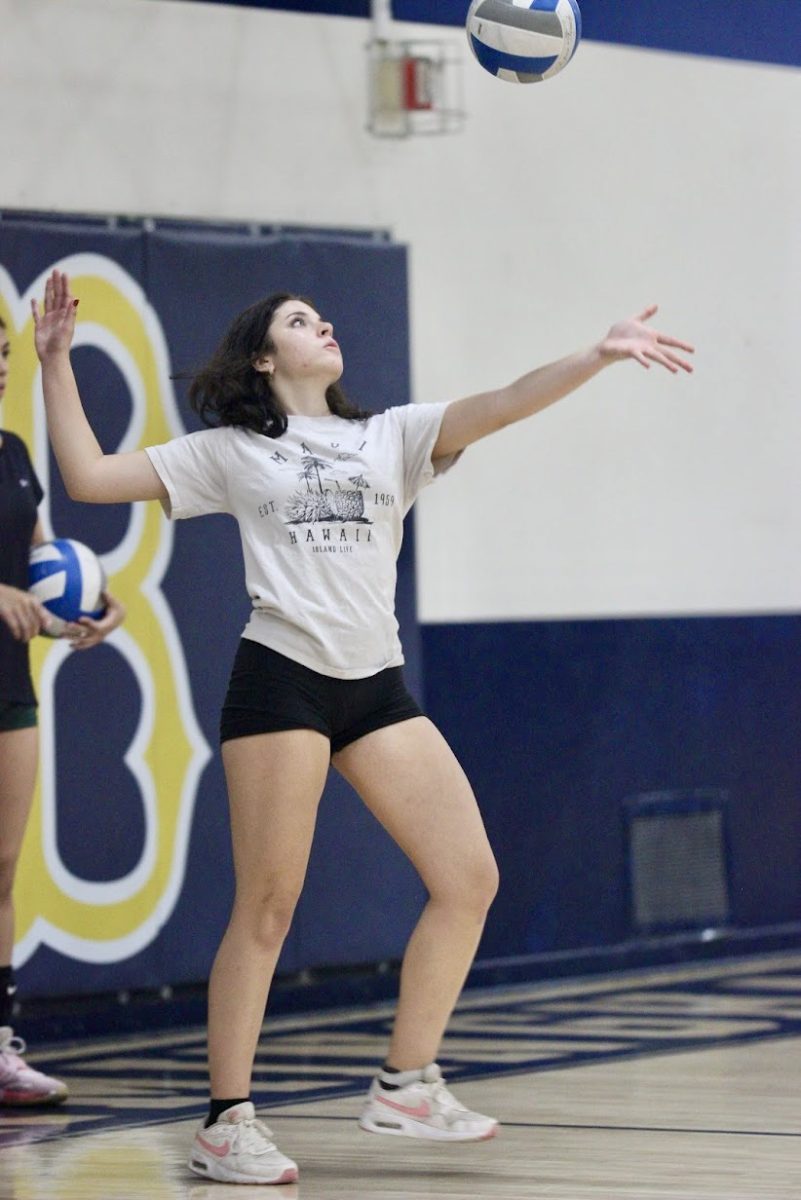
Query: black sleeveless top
{"points": [[20, 496]]}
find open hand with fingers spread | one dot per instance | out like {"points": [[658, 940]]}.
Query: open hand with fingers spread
{"points": [[636, 339], [54, 325]]}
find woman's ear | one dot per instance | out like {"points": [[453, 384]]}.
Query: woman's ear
{"points": [[264, 365]]}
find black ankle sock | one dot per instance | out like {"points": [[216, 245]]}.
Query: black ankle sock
{"points": [[382, 1083], [407, 1077], [8, 990], [219, 1106]]}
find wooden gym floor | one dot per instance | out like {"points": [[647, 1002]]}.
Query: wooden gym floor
{"points": [[679, 1083]]}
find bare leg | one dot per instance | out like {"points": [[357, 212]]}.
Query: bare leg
{"points": [[274, 783], [19, 753], [410, 779]]}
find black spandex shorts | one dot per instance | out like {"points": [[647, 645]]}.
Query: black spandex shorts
{"points": [[268, 692], [16, 716]]}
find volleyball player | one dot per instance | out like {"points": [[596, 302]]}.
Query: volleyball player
{"points": [[22, 616], [319, 489]]}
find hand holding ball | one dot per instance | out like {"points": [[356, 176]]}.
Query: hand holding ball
{"points": [[524, 41]]}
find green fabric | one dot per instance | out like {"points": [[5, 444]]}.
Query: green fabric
{"points": [[17, 716]]}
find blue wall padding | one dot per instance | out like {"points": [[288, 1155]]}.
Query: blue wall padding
{"points": [[197, 280], [752, 30], [557, 723]]}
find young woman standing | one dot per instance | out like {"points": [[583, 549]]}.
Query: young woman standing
{"points": [[317, 677], [21, 618]]}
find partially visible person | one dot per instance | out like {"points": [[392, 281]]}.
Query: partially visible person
{"points": [[22, 616]]}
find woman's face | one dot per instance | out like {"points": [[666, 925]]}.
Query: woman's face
{"points": [[5, 354], [303, 345]]}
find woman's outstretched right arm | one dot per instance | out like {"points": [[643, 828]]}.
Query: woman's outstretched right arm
{"points": [[88, 473]]}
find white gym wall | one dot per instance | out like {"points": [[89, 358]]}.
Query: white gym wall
{"points": [[635, 176]]}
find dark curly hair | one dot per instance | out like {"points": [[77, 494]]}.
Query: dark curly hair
{"points": [[230, 391]]}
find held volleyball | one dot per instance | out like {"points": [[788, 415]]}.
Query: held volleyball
{"points": [[524, 41], [68, 579]]}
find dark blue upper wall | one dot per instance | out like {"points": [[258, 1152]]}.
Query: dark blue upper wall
{"points": [[755, 30]]}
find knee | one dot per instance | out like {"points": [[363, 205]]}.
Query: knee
{"points": [[266, 918], [474, 888], [485, 883]]}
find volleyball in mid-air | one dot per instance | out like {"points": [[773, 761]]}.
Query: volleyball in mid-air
{"points": [[68, 579], [524, 41]]}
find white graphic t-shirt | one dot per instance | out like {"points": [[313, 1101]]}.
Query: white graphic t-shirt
{"points": [[320, 513]]}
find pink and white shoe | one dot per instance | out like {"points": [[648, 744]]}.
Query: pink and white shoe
{"points": [[240, 1149], [20, 1085], [424, 1109]]}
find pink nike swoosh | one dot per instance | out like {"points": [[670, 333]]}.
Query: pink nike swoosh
{"points": [[217, 1151], [423, 1109]]}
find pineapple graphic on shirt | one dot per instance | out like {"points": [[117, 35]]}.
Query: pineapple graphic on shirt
{"points": [[325, 500]]}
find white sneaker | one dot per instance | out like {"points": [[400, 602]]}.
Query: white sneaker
{"points": [[240, 1149], [20, 1085], [424, 1109]]}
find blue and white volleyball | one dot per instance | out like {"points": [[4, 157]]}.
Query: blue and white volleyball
{"points": [[68, 579], [524, 41]]}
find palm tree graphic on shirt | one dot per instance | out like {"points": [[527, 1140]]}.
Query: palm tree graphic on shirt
{"points": [[325, 503]]}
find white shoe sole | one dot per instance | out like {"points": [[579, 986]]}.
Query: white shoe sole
{"points": [[209, 1168], [397, 1125]]}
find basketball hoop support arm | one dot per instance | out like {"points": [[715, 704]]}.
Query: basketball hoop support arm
{"points": [[414, 85], [381, 14]]}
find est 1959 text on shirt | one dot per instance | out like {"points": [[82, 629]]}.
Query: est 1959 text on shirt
{"points": [[320, 513]]}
